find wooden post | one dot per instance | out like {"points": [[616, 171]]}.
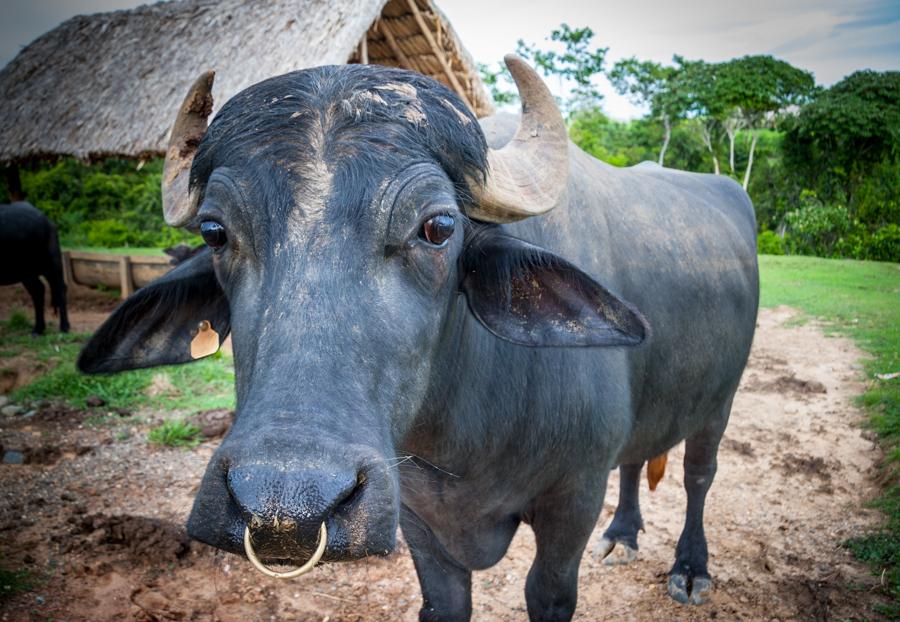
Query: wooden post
{"points": [[438, 53], [68, 277], [125, 277]]}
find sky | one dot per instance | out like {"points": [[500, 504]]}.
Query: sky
{"points": [[831, 38]]}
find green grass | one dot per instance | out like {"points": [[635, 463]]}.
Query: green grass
{"points": [[860, 299], [12, 582], [18, 321], [202, 385], [175, 433]]}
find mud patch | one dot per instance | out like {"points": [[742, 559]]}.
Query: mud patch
{"points": [[788, 383], [214, 423], [9, 380], [18, 371], [42, 454], [807, 466], [146, 540], [743, 448]]}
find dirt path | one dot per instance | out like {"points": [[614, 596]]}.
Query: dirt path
{"points": [[96, 517]]}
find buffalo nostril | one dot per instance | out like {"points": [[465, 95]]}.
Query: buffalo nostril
{"points": [[353, 495]]}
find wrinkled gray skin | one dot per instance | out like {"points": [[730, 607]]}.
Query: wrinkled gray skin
{"points": [[369, 392], [29, 249]]}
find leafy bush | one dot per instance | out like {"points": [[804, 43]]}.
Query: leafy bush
{"points": [[769, 243], [829, 230], [884, 244], [18, 321], [110, 204], [876, 200], [818, 229], [614, 142]]}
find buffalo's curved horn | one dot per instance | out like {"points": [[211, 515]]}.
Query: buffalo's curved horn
{"points": [[179, 205], [528, 175]]}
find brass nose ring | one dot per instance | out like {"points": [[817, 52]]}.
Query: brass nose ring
{"points": [[288, 574]]}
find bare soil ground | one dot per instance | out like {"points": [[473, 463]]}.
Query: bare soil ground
{"points": [[97, 518]]}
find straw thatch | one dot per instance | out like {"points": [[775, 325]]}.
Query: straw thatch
{"points": [[110, 84]]}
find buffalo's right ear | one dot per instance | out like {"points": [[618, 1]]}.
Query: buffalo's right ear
{"points": [[155, 326], [530, 296]]}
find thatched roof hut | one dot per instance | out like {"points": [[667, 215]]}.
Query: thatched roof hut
{"points": [[110, 84]]}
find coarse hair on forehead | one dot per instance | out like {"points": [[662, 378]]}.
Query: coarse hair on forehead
{"points": [[361, 121]]}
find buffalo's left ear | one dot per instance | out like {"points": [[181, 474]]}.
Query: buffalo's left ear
{"points": [[158, 323], [530, 296]]}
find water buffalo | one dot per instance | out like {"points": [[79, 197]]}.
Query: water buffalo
{"points": [[405, 353], [29, 249]]}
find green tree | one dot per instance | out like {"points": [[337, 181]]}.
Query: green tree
{"points": [[847, 131], [655, 86], [753, 92], [697, 80], [615, 142], [497, 79], [575, 61]]}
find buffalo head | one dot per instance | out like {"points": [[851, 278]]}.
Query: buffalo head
{"points": [[352, 217]]}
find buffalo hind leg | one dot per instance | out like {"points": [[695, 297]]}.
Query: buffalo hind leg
{"points": [[446, 586], [562, 527], [622, 533], [689, 580], [35, 288], [58, 300]]}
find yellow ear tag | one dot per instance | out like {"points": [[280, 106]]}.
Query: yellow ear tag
{"points": [[205, 342]]}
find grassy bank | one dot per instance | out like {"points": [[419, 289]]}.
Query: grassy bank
{"points": [[203, 385], [860, 299]]}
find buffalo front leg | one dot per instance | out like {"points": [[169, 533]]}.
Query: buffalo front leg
{"points": [[446, 585], [689, 580], [35, 288], [622, 533], [562, 527]]}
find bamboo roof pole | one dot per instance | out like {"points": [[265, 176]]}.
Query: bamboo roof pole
{"points": [[392, 43], [438, 53], [364, 49]]}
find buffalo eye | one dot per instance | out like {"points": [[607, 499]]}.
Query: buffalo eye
{"points": [[438, 229], [213, 233]]}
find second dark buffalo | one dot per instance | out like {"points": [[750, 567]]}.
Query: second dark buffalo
{"points": [[29, 250], [453, 326]]}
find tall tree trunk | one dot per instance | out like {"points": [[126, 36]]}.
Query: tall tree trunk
{"points": [[731, 134], [668, 136], [707, 138], [732, 124], [750, 160]]}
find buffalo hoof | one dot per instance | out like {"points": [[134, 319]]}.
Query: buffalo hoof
{"points": [[614, 553], [689, 591]]}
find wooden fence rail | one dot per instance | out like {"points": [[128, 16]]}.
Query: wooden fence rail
{"points": [[126, 272]]}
